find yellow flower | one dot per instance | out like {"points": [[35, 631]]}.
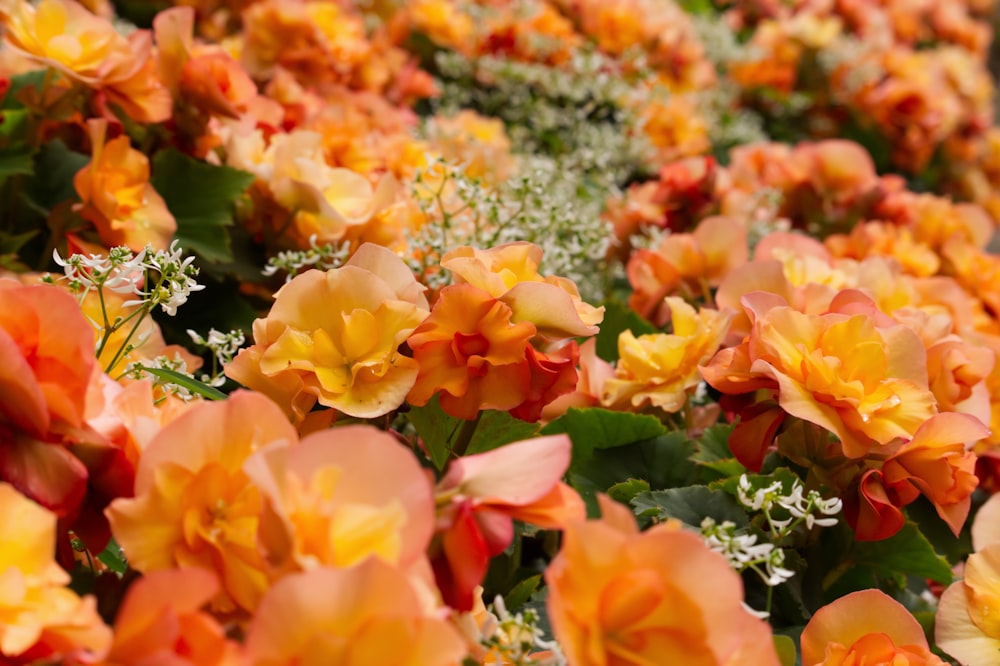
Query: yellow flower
{"points": [[658, 369], [336, 335], [37, 611]]}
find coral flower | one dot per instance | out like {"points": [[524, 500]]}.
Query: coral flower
{"points": [[160, 621], [966, 625], [194, 506], [471, 351], [867, 384], [510, 273], [658, 369], [87, 49], [618, 596], [368, 614], [866, 627], [939, 462], [335, 335], [40, 618], [48, 362], [348, 494], [117, 196], [481, 495]]}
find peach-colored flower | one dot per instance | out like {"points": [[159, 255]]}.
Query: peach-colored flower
{"points": [[594, 371], [48, 352], [117, 197], [471, 353], [479, 498], [335, 335], [658, 369], [87, 49], [966, 625], [40, 618], [509, 273], [194, 506], [867, 384], [367, 614], [347, 494], [939, 462], [620, 596], [204, 76], [160, 621], [866, 627]]}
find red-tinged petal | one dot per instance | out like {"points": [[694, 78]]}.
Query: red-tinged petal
{"points": [[753, 436], [461, 565], [47, 473], [870, 511], [21, 398], [515, 474]]}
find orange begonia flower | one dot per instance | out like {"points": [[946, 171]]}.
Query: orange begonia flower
{"points": [[40, 618], [204, 76], [368, 614], [48, 352], [867, 384], [966, 625], [86, 48], [160, 621], [510, 274], [471, 351], [866, 627], [620, 596], [873, 510], [940, 463], [348, 494], [336, 335], [658, 369], [194, 505], [481, 495], [117, 196]]}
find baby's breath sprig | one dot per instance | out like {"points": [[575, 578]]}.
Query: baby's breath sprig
{"points": [[767, 560], [163, 278], [223, 347], [140, 370], [323, 257]]}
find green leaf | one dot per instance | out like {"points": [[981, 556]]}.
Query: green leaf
{"points": [[113, 558], [436, 429], [15, 161], [190, 383], [926, 517], [55, 166], [691, 505], [785, 647], [496, 429], [626, 490], [594, 428], [908, 552], [713, 453], [200, 196], [33, 79], [618, 318], [785, 476], [521, 593]]}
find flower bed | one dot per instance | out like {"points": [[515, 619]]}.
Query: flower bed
{"points": [[498, 332]]}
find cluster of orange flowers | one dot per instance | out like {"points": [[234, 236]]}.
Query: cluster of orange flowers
{"points": [[834, 316]]}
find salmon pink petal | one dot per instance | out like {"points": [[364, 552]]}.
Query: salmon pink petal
{"points": [[549, 308], [515, 474], [855, 615]]}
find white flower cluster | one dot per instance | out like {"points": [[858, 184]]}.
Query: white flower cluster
{"points": [[223, 347], [802, 507], [323, 257], [120, 271], [513, 638], [139, 370], [158, 277], [743, 551]]}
